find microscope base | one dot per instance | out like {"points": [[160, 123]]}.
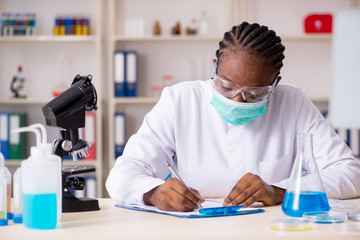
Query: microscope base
{"points": [[72, 204]]}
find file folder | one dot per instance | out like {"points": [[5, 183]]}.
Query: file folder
{"points": [[120, 125], [355, 141], [119, 74], [90, 187], [17, 141], [4, 134], [90, 134], [131, 73]]}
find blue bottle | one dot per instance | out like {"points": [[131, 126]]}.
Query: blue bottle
{"points": [[305, 192]]}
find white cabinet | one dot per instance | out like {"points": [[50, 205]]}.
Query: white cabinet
{"points": [[39, 57]]}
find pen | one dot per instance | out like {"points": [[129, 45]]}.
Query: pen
{"points": [[177, 176]]}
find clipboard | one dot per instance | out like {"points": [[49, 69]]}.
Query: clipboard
{"points": [[210, 209]]}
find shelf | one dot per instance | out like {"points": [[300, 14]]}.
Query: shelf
{"points": [[24, 101], [136, 100], [66, 163], [152, 38], [307, 37], [319, 99], [48, 38]]}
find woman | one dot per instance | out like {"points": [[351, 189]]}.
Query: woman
{"points": [[231, 137]]}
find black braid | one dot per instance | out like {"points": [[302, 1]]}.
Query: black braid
{"points": [[255, 39]]}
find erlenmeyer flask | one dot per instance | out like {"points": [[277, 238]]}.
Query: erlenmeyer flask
{"points": [[305, 192]]}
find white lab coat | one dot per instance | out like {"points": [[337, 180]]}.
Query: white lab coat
{"points": [[211, 155]]}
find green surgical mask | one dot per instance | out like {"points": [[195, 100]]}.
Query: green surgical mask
{"points": [[237, 113]]}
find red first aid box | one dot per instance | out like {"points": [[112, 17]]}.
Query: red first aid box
{"points": [[318, 23]]}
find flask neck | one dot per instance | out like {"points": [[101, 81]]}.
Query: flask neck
{"points": [[305, 145]]}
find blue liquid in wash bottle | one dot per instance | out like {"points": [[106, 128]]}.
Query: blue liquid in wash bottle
{"points": [[40, 211], [295, 205]]}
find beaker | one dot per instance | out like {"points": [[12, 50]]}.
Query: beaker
{"points": [[305, 192]]}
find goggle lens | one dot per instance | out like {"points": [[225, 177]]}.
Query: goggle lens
{"points": [[250, 94]]}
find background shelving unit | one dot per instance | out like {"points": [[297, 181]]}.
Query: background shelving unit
{"points": [[307, 63], [39, 57]]}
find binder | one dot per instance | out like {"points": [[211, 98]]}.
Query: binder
{"points": [[4, 134], [17, 141], [352, 138], [119, 74], [343, 134], [131, 73], [354, 141], [79, 193], [90, 187], [119, 134], [90, 134]]}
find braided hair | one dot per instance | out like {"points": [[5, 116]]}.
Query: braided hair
{"points": [[254, 39]]}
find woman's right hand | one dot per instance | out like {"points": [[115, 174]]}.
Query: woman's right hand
{"points": [[173, 196]]}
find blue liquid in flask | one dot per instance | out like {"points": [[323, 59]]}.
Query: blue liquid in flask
{"points": [[295, 205], [40, 211]]}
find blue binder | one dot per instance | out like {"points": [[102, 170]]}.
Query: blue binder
{"points": [[90, 187], [4, 134], [120, 134], [131, 73], [119, 74]]}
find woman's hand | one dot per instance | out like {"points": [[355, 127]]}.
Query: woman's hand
{"points": [[173, 196], [251, 188]]}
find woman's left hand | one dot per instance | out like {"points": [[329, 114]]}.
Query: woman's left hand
{"points": [[250, 189]]}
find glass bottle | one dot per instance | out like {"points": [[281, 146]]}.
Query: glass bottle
{"points": [[61, 86], [157, 28], [305, 192], [203, 24]]}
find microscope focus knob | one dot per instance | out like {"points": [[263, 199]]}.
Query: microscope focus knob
{"points": [[67, 145]]}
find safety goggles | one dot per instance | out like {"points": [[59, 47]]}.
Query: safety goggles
{"points": [[249, 94]]}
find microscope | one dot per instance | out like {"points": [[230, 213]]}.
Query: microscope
{"points": [[67, 112]]}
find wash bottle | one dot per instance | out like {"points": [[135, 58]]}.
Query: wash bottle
{"points": [[47, 148], [3, 190], [40, 184]]}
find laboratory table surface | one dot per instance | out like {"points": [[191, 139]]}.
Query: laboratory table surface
{"points": [[116, 223]]}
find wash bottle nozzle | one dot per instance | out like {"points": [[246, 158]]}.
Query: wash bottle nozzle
{"points": [[42, 147]]}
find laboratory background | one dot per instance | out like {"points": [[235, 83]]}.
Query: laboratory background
{"points": [[133, 49]]}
